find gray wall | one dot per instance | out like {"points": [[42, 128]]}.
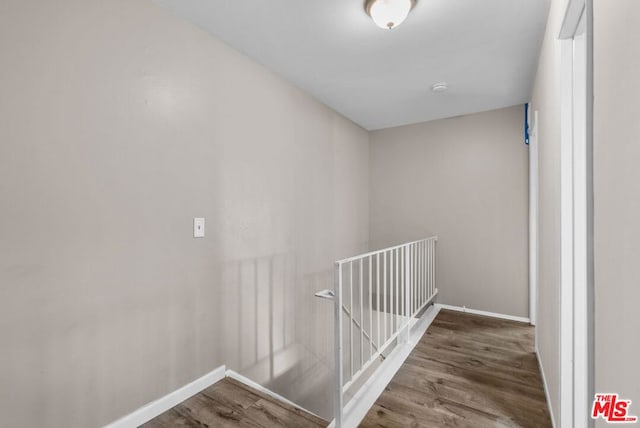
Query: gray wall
{"points": [[546, 99], [617, 198], [118, 124], [466, 180]]}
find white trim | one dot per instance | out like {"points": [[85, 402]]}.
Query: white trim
{"points": [[576, 376], [580, 333], [546, 388], [533, 219], [155, 408], [484, 313], [566, 234], [590, 292], [149, 411], [254, 385], [358, 407]]}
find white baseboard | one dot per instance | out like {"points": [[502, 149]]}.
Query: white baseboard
{"points": [[254, 385], [484, 313], [546, 387], [364, 399], [149, 411]]}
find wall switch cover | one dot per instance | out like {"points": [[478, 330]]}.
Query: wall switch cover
{"points": [[198, 227]]}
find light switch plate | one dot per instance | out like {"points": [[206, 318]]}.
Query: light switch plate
{"points": [[198, 227]]}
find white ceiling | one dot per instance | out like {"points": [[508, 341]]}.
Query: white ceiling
{"points": [[487, 51]]}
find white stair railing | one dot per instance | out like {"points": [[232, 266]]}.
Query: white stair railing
{"points": [[376, 297]]}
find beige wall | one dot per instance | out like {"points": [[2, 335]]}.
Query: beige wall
{"points": [[617, 198], [465, 180], [118, 124], [546, 100]]}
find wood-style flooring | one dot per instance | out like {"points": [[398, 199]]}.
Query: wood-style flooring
{"points": [[466, 371], [230, 403]]}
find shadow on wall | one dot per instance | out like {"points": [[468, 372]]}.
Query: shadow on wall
{"points": [[275, 332]]}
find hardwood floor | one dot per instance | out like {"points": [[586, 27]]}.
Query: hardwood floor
{"points": [[466, 371], [230, 403]]}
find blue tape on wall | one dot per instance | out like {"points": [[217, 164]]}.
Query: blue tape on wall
{"points": [[526, 123]]}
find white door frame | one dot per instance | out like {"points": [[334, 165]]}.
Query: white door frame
{"points": [[533, 218], [576, 169]]}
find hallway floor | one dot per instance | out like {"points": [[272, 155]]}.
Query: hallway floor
{"points": [[230, 403], [467, 371]]}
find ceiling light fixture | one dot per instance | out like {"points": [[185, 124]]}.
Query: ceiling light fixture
{"points": [[388, 14]]}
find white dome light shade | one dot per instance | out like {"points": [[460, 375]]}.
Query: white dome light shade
{"points": [[389, 14]]}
